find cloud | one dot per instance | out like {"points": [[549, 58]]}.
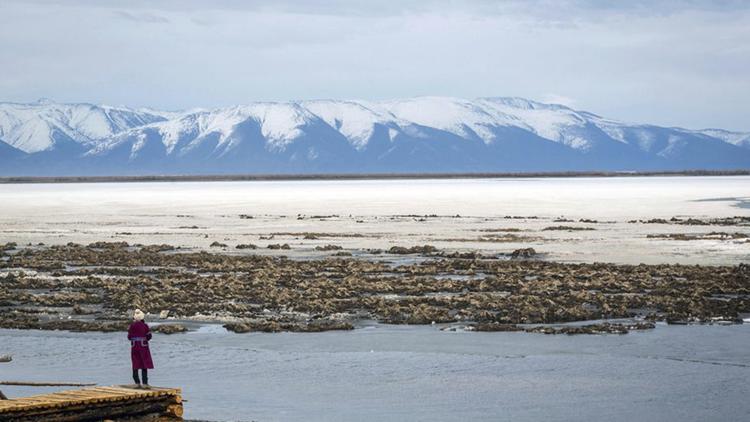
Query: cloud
{"points": [[560, 9], [674, 62], [141, 17]]}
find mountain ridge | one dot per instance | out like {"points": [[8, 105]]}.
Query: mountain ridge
{"points": [[420, 134]]}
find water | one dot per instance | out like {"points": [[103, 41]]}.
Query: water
{"points": [[167, 212], [416, 373]]}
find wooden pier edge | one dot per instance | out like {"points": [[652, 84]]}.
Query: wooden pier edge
{"points": [[115, 403]]}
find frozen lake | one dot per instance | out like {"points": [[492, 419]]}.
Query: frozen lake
{"points": [[410, 373], [384, 213], [416, 373]]}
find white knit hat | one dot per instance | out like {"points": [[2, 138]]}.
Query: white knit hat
{"points": [[138, 315]]}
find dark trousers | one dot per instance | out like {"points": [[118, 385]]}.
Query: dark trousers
{"points": [[144, 375]]}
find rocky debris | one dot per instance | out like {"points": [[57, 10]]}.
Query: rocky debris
{"points": [[216, 244], [651, 221], [80, 310], [494, 327], [238, 327], [601, 328], [169, 328], [412, 216], [270, 293], [579, 329], [328, 248], [692, 222], [567, 228], [246, 246], [246, 217], [700, 236], [8, 246], [319, 325], [493, 238], [27, 322], [724, 221], [157, 248], [501, 238], [342, 253], [6, 358], [524, 253], [272, 326], [415, 313], [424, 250], [588, 221], [317, 235], [279, 246], [465, 255], [108, 245]]}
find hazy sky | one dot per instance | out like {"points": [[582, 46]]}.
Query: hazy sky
{"points": [[680, 62]]}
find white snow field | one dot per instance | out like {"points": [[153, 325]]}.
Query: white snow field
{"points": [[451, 214]]}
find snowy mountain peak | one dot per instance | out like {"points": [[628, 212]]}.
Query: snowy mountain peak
{"points": [[410, 134], [521, 103], [45, 125]]}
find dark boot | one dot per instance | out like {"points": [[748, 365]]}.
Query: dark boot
{"points": [[135, 379]]}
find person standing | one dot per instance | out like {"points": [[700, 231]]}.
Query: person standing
{"points": [[139, 335]]}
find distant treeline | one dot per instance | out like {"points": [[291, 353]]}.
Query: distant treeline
{"points": [[355, 176]]}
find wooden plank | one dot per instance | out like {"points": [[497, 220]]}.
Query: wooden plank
{"points": [[46, 384], [98, 391], [175, 410], [72, 394], [121, 391], [54, 399], [71, 405], [34, 401]]}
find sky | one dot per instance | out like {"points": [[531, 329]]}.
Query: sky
{"points": [[673, 63]]}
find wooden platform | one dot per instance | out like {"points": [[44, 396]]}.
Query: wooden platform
{"points": [[116, 403]]}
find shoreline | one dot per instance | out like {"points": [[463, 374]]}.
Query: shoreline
{"points": [[360, 176]]}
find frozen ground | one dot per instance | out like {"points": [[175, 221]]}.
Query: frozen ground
{"points": [[389, 212], [416, 373]]}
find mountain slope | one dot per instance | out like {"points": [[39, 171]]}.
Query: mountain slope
{"points": [[424, 134], [44, 125]]}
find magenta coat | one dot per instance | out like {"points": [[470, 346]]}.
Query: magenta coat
{"points": [[139, 335]]}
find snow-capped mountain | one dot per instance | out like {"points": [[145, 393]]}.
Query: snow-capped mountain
{"points": [[424, 134], [45, 125]]}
